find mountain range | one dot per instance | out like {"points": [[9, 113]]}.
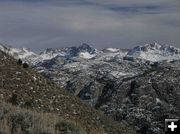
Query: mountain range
{"points": [[149, 52], [138, 86], [32, 104]]}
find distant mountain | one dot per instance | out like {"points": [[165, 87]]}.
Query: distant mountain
{"points": [[155, 52], [84, 51], [22, 53]]}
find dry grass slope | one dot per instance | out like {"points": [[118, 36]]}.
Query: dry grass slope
{"points": [[15, 120], [24, 88]]}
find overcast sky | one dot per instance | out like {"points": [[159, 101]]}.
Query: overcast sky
{"points": [[40, 24]]}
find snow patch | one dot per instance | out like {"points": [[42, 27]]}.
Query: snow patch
{"points": [[112, 49], [86, 55], [118, 74], [158, 100]]}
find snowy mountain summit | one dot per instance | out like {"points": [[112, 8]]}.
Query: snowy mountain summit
{"points": [[155, 52], [83, 51], [18, 53]]}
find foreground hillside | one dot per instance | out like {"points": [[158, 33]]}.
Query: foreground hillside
{"points": [[15, 120], [24, 88]]}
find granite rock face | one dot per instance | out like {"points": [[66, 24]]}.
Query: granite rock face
{"points": [[145, 101]]}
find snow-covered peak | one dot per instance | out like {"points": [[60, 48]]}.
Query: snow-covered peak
{"points": [[155, 52], [4, 48], [152, 52], [22, 53], [83, 51], [87, 48], [50, 53], [18, 53]]}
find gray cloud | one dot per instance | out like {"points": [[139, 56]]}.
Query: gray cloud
{"points": [[103, 23]]}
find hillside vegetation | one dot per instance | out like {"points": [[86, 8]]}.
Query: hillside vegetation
{"points": [[15, 120]]}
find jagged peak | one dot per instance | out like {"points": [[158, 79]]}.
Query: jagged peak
{"points": [[85, 46], [4, 47], [155, 52], [154, 46], [70, 51], [10, 48], [88, 48]]}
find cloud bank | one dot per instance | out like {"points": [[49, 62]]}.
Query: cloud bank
{"points": [[39, 24]]}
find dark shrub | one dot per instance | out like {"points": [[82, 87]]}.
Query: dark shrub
{"points": [[1, 132], [25, 65], [17, 120], [19, 62], [13, 99], [28, 104], [65, 128], [23, 123], [155, 64]]}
